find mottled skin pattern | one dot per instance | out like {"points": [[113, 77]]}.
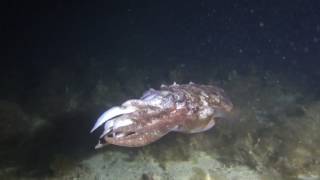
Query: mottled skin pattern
{"points": [[187, 108]]}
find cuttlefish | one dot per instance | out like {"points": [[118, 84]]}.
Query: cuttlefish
{"points": [[186, 108]]}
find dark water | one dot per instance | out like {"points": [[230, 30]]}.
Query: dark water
{"points": [[64, 63]]}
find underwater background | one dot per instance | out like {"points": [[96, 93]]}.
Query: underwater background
{"points": [[65, 62]]}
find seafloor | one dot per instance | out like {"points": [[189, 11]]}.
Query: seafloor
{"points": [[273, 132]]}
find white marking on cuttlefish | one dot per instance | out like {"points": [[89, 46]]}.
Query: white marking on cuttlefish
{"points": [[122, 122], [205, 112]]}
